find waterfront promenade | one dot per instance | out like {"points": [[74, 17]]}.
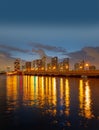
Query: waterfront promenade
{"points": [[71, 73]]}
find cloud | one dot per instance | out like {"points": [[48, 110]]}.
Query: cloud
{"points": [[10, 48], [92, 51], [48, 47], [4, 54], [89, 54], [42, 54], [6, 60]]}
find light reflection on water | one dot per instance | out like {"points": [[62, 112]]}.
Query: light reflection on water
{"points": [[85, 99], [55, 99]]}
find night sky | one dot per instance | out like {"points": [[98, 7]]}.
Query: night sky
{"points": [[30, 29]]}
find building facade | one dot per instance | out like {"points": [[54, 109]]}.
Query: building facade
{"points": [[54, 63], [17, 65], [28, 66], [66, 64]]}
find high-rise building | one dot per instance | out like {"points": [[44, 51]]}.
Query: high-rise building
{"points": [[17, 65], [48, 66], [76, 66], [60, 66], [38, 64], [33, 64], [28, 66], [54, 63], [82, 65], [66, 64], [92, 67], [44, 63]]}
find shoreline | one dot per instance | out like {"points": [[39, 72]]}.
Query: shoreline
{"points": [[79, 74]]}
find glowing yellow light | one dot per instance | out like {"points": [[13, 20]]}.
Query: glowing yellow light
{"points": [[12, 91], [67, 97], [61, 68], [61, 88], [41, 90], [54, 98], [36, 87], [67, 66], [49, 90], [81, 67], [28, 89], [54, 67], [87, 109], [86, 64], [46, 85], [81, 98], [54, 90]]}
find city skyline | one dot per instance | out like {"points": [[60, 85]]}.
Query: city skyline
{"points": [[30, 30]]}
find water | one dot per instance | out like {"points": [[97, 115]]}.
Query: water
{"points": [[48, 103]]}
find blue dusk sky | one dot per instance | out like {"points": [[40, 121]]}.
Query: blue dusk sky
{"points": [[30, 29]]}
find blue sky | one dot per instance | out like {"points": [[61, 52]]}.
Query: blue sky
{"points": [[53, 11], [59, 28]]}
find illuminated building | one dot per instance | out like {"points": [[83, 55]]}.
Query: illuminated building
{"points": [[66, 64], [23, 67], [28, 66], [60, 66], [82, 64], [44, 63], [38, 64], [79, 66], [17, 65], [49, 66], [92, 67], [33, 64], [54, 63], [76, 66], [86, 66]]}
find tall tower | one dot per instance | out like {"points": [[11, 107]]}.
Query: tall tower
{"points": [[44, 63], [66, 63], [17, 65], [54, 63], [28, 65]]}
